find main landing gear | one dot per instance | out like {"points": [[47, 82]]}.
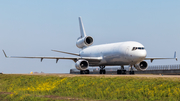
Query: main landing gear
{"points": [[102, 70], [84, 71], [121, 71], [131, 72]]}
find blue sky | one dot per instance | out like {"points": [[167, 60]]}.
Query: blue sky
{"points": [[34, 27]]}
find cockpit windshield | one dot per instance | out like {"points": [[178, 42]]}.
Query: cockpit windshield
{"points": [[138, 48]]}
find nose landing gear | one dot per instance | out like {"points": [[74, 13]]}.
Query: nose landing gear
{"points": [[131, 72], [123, 71]]}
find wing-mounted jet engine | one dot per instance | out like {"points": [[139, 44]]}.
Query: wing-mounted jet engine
{"points": [[83, 41], [142, 66], [82, 65]]}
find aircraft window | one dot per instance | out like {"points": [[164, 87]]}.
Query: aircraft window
{"points": [[140, 48], [133, 48]]}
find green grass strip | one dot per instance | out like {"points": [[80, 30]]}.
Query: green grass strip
{"points": [[33, 87]]}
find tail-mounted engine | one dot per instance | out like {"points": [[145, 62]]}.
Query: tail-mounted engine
{"points": [[82, 64], [141, 66], [84, 42]]}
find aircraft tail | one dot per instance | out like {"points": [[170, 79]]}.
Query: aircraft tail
{"points": [[83, 41], [82, 30]]}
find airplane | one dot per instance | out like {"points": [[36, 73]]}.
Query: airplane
{"points": [[129, 53]]}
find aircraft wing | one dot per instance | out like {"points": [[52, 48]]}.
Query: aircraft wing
{"points": [[57, 58], [66, 52], [156, 58]]}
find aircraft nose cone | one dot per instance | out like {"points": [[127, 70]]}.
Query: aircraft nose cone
{"points": [[143, 54]]}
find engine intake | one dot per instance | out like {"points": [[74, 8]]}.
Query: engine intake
{"points": [[141, 66], [82, 64], [84, 42]]}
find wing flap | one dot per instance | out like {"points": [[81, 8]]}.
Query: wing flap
{"points": [[66, 52], [49, 57]]}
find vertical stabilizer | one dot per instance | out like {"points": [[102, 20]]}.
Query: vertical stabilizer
{"points": [[82, 30], [83, 41]]}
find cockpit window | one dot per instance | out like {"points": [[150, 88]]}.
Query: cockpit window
{"points": [[139, 48], [133, 48]]}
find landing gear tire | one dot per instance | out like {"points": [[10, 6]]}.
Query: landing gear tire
{"points": [[121, 71], [84, 72], [131, 72], [81, 72], [102, 71], [87, 71]]}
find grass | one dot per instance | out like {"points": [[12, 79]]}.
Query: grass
{"points": [[45, 88]]}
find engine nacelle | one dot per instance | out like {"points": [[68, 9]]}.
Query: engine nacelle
{"points": [[84, 42], [82, 64], [141, 66]]}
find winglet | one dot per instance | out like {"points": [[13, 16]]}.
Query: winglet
{"points": [[4, 53], [82, 30], [175, 55]]}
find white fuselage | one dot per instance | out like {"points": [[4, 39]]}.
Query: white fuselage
{"points": [[121, 53]]}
